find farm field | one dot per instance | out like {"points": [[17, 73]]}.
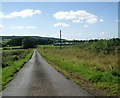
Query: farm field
{"points": [[12, 62], [93, 69], [60, 49]]}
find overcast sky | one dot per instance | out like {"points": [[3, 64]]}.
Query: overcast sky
{"points": [[81, 20]]}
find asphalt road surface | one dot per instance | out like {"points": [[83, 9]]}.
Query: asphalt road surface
{"points": [[38, 78]]}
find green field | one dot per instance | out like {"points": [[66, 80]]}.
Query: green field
{"points": [[97, 72], [12, 62], [92, 64]]}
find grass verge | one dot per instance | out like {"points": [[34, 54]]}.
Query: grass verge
{"points": [[13, 61], [88, 69]]}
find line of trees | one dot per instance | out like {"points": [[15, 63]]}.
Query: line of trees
{"points": [[28, 42], [15, 42], [103, 45], [97, 45]]}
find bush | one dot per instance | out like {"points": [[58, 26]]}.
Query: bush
{"points": [[15, 58], [105, 46], [115, 73], [4, 65]]}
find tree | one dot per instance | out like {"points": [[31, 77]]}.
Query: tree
{"points": [[29, 42], [15, 42]]}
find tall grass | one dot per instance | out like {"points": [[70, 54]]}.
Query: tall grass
{"points": [[12, 61], [96, 72]]}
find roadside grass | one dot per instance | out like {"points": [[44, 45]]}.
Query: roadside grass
{"points": [[12, 62], [0, 50], [0, 78], [96, 72], [11, 47]]}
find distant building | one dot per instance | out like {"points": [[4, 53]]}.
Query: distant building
{"points": [[63, 43]]}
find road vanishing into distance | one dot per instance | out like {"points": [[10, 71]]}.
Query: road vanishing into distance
{"points": [[38, 78]]}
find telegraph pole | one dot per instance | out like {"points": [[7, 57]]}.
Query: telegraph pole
{"points": [[60, 39]]}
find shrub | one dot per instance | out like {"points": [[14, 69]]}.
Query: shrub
{"points": [[4, 65], [29, 43]]}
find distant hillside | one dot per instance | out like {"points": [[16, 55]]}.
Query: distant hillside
{"points": [[36, 37], [40, 40]]}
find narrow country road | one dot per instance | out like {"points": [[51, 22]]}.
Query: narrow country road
{"points": [[38, 78]]}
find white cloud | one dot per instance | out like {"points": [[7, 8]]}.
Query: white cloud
{"points": [[17, 27], [92, 20], [23, 27], [61, 25], [1, 26], [101, 20], [30, 27], [1, 14], [77, 21], [23, 14], [85, 26], [77, 16], [103, 33]]}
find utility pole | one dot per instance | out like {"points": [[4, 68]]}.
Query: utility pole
{"points": [[60, 39]]}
